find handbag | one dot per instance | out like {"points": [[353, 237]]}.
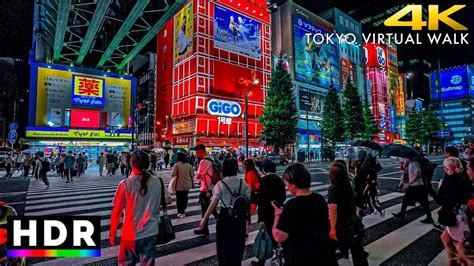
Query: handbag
{"points": [[351, 230], [173, 183], [165, 228], [263, 246]]}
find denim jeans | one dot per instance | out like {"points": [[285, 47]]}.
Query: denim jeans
{"points": [[141, 250]]}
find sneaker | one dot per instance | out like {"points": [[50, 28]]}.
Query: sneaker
{"points": [[202, 231], [399, 215], [181, 215], [427, 221], [47, 186], [67, 181], [439, 227], [382, 213]]}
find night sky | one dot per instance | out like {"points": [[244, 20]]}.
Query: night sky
{"points": [[16, 27]]}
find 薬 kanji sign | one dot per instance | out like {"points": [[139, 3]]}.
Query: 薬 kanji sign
{"points": [[88, 91]]}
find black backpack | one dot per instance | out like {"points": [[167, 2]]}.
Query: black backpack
{"points": [[45, 166], [239, 207], [216, 173], [427, 168]]}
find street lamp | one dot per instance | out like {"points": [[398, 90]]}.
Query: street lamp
{"points": [[248, 84]]}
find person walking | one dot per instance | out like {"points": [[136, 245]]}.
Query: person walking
{"points": [[166, 159], [26, 165], [8, 165], [272, 188], [204, 173], [453, 193], [231, 222], [139, 198], [370, 190], [415, 191], [116, 162], [128, 161], [345, 224], [123, 164], [69, 166], [153, 160], [302, 226], [101, 162], [80, 165], [44, 169], [184, 174], [38, 166], [110, 163], [252, 177]]}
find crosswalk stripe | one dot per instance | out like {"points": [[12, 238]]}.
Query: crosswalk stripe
{"points": [[94, 198]]}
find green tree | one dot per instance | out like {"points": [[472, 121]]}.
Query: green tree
{"points": [[370, 127], [352, 108], [431, 124], [280, 116], [332, 118], [414, 130]]}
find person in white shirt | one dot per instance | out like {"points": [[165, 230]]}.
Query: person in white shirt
{"points": [[139, 197]]}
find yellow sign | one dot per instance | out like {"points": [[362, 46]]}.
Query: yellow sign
{"points": [[55, 94], [90, 87], [183, 32], [77, 134]]}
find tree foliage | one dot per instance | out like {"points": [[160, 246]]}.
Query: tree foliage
{"points": [[423, 126], [332, 118], [370, 126], [280, 115], [352, 108]]}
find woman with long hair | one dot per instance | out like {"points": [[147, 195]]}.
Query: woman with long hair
{"points": [[139, 197], [302, 226], [345, 224]]}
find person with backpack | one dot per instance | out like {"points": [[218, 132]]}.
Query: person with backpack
{"points": [[80, 161], [208, 174], [302, 226], [44, 169], [252, 177], [231, 196]]}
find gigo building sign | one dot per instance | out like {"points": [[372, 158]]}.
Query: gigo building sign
{"points": [[223, 108]]}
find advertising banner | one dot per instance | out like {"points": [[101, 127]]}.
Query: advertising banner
{"points": [[454, 84], [87, 91], [348, 70], [232, 81], [311, 102], [85, 118], [375, 55], [400, 96], [54, 88], [183, 32], [69, 133], [392, 61], [315, 64], [236, 33], [184, 127]]}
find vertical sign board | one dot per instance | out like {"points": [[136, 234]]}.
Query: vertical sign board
{"points": [[183, 32]]}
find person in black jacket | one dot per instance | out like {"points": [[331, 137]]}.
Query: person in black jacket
{"points": [[272, 188]]}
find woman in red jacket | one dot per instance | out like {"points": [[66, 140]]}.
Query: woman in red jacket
{"points": [[252, 177]]}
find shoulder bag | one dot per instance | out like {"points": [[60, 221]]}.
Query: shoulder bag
{"points": [[173, 185], [165, 228]]}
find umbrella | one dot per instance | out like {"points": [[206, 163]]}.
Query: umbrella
{"points": [[353, 153], [158, 150], [398, 150], [369, 144], [30, 151]]}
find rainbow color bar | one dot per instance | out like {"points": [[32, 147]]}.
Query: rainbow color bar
{"points": [[25, 253]]}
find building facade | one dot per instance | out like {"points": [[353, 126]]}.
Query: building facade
{"points": [[313, 67], [79, 109], [208, 57], [455, 96]]}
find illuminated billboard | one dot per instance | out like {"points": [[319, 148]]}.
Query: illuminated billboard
{"points": [[84, 134], [183, 32], [454, 84], [315, 64], [236, 33], [85, 118], [87, 91], [54, 88], [375, 55]]}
